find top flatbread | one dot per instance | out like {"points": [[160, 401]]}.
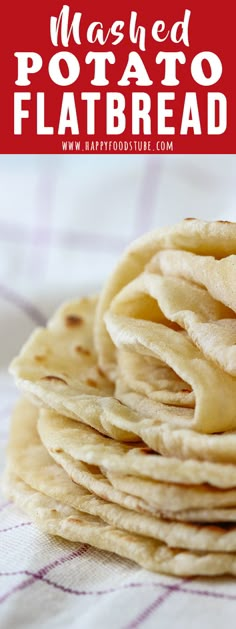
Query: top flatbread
{"points": [[214, 239]]}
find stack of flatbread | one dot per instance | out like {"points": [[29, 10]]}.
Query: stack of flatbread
{"points": [[125, 438]]}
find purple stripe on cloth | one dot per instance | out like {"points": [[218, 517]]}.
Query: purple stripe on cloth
{"points": [[14, 573], [228, 597], [57, 237], [17, 588], [176, 587], [4, 505], [16, 526], [43, 571], [59, 562], [142, 617], [114, 590], [146, 206], [26, 306], [148, 611], [62, 588]]}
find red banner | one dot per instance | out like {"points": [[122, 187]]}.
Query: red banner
{"points": [[128, 78]]}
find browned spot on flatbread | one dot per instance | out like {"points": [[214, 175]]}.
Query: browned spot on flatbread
{"points": [[82, 350], [73, 320], [94, 469], [147, 451], [101, 372], [75, 520], [225, 222], [40, 358], [91, 383], [185, 390], [56, 378], [190, 219], [55, 450]]}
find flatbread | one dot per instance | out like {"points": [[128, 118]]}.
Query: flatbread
{"points": [[57, 367], [165, 437], [209, 382], [87, 445], [180, 304], [31, 462], [132, 389], [57, 519], [216, 275], [95, 481], [214, 239], [152, 378], [132, 492]]}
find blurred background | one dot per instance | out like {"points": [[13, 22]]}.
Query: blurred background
{"points": [[64, 220]]}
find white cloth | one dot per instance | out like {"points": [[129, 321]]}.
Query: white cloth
{"points": [[64, 220]]}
